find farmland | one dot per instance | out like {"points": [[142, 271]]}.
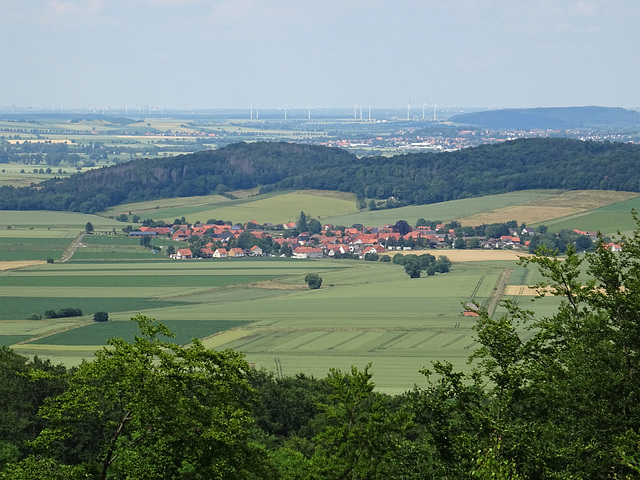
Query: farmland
{"points": [[274, 207], [364, 312]]}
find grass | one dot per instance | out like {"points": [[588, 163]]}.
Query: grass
{"points": [[55, 220], [275, 207], [98, 333], [445, 211], [32, 248]]}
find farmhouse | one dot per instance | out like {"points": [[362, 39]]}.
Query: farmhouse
{"points": [[220, 253], [307, 252], [183, 253]]}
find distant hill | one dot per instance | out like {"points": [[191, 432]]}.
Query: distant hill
{"points": [[419, 178], [561, 118]]}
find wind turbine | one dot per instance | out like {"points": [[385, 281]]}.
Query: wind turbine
{"points": [[423, 107], [309, 111], [257, 113], [369, 112], [360, 112], [435, 107], [409, 111], [285, 110], [251, 112], [355, 110]]}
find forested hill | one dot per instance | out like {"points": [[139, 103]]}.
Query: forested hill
{"points": [[565, 118], [411, 179]]}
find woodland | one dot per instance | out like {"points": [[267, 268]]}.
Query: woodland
{"points": [[409, 179]]}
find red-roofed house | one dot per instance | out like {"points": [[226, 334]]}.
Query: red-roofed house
{"points": [[220, 253], [183, 253], [308, 252]]}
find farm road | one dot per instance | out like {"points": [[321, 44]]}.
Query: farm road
{"points": [[499, 289], [68, 253]]}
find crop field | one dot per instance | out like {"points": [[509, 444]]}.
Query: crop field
{"points": [[21, 248], [445, 211], [607, 219], [161, 205], [97, 334], [56, 221], [365, 311], [273, 207], [572, 204]]}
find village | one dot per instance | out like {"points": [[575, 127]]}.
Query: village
{"points": [[222, 240]]}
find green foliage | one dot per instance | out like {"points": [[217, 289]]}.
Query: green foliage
{"points": [[313, 280], [101, 317], [363, 433], [385, 258], [88, 228], [412, 267], [155, 410], [63, 312], [419, 178]]}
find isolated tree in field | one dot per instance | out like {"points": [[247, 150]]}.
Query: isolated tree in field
{"points": [[88, 228], [313, 280], [100, 317]]}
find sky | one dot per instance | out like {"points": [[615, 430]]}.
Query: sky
{"points": [[325, 53]]}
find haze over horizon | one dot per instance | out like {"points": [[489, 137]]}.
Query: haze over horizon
{"points": [[233, 53]]}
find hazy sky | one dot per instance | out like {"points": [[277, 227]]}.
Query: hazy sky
{"points": [[330, 53]]}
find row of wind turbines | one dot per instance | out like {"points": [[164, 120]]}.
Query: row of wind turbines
{"points": [[355, 111]]}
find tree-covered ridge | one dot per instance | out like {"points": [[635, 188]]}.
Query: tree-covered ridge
{"points": [[553, 118], [419, 178]]}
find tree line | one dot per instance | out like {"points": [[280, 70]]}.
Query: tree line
{"points": [[400, 180], [549, 397]]}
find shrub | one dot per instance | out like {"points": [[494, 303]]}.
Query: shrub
{"points": [[101, 317]]}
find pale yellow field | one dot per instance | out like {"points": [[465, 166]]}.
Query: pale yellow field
{"points": [[12, 265], [551, 207], [481, 255]]}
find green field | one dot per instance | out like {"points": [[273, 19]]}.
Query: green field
{"points": [[98, 333], [57, 221], [445, 211], [31, 248], [364, 312], [276, 207], [608, 220]]}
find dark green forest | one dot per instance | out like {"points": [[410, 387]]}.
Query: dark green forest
{"points": [[419, 178], [552, 397]]}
